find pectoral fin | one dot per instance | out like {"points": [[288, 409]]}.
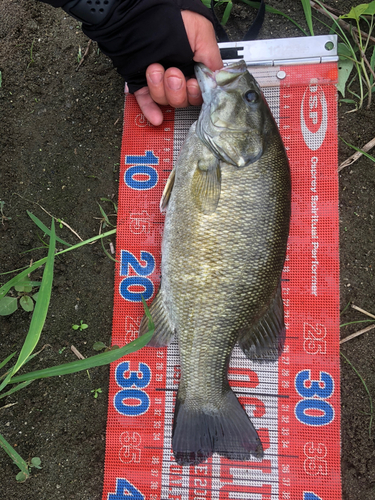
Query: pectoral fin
{"points": [[163, 332], [206, 184], [167, 191], [264, 341]]}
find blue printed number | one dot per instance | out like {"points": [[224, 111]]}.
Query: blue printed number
{"points": [[129, 287], [307, 495], [128, 259], [140, 378], [125, 491], [131, 177], [132, 401], [148, 159], [141, 168], [313, 410], [315, 388]]}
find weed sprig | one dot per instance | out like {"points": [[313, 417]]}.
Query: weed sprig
{"points": [[18, 382]]}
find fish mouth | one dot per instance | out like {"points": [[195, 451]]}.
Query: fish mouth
{"points": [[209, 80]]}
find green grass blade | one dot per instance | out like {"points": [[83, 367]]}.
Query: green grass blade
{"points": [[104, 215], [272, 10], [3, 363], [45, 229], [16, 388], [41, 308], [359, 321], [17, 459], [227, 12], [307, 10], [5, 288], [360, 150], [107, 253], [91, 362]]}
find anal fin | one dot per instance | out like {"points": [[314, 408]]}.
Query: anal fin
{"points": [[264, 341], [163, 332]]}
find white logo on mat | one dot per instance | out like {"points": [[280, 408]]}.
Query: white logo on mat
{"points": [[314, 115]]}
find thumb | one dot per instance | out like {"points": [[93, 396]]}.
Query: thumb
{"points": [[202, 39]]}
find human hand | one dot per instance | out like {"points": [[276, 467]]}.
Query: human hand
{"points": [[170, 86]]}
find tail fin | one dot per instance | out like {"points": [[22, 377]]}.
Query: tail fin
{"points": [[226, 430]]}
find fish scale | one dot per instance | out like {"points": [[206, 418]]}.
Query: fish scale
{"points": [[223, 250]]}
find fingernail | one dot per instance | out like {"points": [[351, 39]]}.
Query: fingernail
{"points": [[155, 77], [174, 83], [193, 91]]}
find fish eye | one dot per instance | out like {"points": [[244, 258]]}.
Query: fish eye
{"points": [[251, 96]]}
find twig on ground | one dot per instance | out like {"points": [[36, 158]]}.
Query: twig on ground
{"points": [[357, 154], [84, 55], [7, 406], [357, 334], [77, 353], [363, 311], [44, 210]]}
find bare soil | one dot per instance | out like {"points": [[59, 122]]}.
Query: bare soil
{"points": [[60, 137]]}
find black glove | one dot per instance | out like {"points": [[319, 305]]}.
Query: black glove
{"points": [[137, 33]]}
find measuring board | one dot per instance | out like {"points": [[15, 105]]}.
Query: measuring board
{"points": [[293, 403]]}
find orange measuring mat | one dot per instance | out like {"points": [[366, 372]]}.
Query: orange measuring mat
{"points": [[293, 403]]}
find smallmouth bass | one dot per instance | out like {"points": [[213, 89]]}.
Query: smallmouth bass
{"points": [[227, 204]]}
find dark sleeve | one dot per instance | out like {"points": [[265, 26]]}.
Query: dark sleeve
{"points": [[138, 33]]}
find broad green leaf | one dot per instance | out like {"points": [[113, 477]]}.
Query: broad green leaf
{"points": [[17, 459], [355, 12], [24, 285], [21, 477], [27, 303], [348, 101], [370, 11], [345, 68], [35, 462], [99, 346], [344, 50], [41, 308], [45, 229], [8, 305], [28, 283]]}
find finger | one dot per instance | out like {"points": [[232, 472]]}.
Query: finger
{"points": [[175, 88], [155, 81], [194, 92], [207, 50], [148, 107], [202, 39]]}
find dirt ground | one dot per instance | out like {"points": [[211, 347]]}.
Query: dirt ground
{"points": [[60, 136]]}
